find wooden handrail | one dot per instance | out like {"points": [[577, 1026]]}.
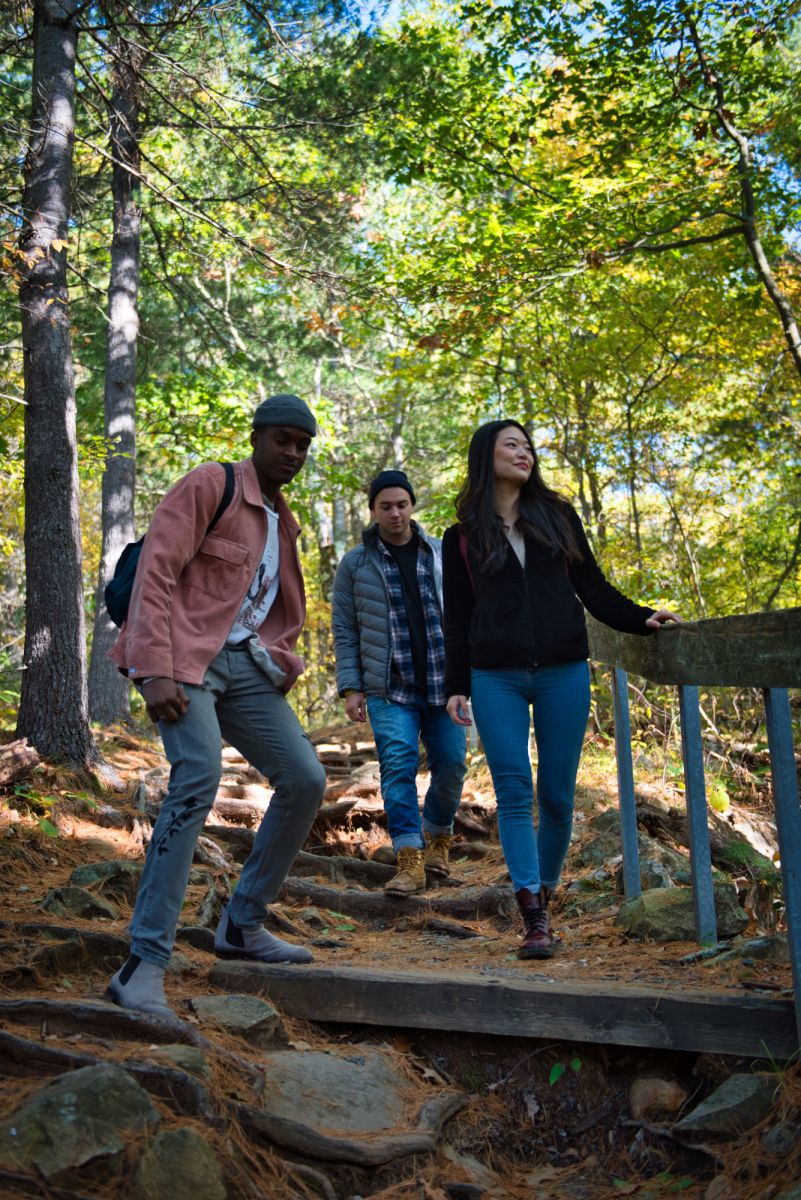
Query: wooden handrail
{"points": [[761, 650], [753, 650]]}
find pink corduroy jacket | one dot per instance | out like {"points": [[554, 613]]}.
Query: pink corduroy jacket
{"points": [[190, 585]]}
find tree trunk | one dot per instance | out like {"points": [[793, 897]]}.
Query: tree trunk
{"points": [[53, 711], [632, 486], [396, 437], [108, 690], [585, 396]]}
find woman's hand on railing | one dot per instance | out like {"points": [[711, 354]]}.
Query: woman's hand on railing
{"points": [[662, 616]]}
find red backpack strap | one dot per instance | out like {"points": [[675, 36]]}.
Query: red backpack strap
{"points": [[464, 554]]}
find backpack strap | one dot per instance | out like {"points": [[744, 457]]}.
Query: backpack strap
{"points": [[227, 496], [117, 592]]}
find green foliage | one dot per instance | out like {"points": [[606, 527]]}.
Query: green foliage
{"points": [[558, 1069], [40, 806], [718, 795], [521, 209]]}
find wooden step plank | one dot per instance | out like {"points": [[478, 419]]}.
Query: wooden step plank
{"points": [[538, 1008]]}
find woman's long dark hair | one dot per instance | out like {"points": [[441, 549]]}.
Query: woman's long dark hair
{"points": [[542, 511]]}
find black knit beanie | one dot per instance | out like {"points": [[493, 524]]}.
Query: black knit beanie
{"points": [[390, 479]]}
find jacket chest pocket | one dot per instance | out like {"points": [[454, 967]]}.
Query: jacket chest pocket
{"points": [[218, 569]]}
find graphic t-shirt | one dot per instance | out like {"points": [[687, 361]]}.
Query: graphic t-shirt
{"points": [[264, 587]]}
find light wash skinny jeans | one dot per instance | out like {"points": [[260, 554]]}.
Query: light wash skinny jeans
{"points": [[238, 702], [560, 699]]}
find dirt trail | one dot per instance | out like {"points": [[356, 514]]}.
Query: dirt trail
{"points": [[545, 1119]]}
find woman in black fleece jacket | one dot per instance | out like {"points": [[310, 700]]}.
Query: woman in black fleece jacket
{"points": [[518, 572]]}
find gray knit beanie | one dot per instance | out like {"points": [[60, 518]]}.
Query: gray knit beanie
{"points": [[285, 409]]}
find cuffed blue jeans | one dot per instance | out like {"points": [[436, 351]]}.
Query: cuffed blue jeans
{"points": [[238, 702], [398, 731], [560, 699]]}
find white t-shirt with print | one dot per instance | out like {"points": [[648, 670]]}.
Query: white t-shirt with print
{"points": [[264, 587]]}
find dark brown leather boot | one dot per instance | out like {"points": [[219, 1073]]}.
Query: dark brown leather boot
{"points": [[538, 940]]}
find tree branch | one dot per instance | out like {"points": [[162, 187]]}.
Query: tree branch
{"points": [[789, 568], [744, 172]]}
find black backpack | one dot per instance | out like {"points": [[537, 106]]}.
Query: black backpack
{"points": [[117, 592]]}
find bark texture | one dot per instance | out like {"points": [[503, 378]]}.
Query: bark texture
{"points": [[108, 690], [53, 711]]}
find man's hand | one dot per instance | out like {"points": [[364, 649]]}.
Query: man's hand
{"points": [[166, 700], [458, 711], [355, 706], [660, 618]]}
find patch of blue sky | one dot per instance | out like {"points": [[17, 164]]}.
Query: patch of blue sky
{"points": [[379, 14]]}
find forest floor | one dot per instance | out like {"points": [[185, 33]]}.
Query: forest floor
{"points": [[545, 1118]]}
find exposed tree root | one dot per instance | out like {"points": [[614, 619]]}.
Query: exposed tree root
{"points": [[17, 759], [339, 868], [369, 1150], [465, 821], [38, 1187], [336, 810], [102, 945], [208, 853], [104, 1020], [238, 838], [320, 1182], [437, 925], [468, 903], [23, 1056]]}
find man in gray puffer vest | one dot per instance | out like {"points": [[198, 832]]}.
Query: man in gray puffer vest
{"points": [[390, 652]]}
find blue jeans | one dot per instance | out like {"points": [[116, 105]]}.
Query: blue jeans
{"points": [[238, 702], [560, 698], [398, 730]]}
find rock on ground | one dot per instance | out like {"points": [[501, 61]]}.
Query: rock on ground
{"points": [[79, 1116], [179, 1164], [185, 1058], [78, 902], [353, 1107], [115, 877], [253, 1019], [667, 914], [355, 1093], [740, 1102]]}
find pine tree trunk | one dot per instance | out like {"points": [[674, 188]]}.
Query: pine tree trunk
{"points": [[53, 712], [108, 690]]}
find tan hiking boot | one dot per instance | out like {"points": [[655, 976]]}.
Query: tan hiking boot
{"points": [[411, 876], [437, 859]]}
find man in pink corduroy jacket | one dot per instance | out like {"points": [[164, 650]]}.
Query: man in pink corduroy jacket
{"points": [[209, 641]]}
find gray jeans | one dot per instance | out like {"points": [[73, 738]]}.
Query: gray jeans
{"points": [[239, 702]]}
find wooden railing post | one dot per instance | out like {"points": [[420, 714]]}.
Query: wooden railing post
{"points": [[625, 785], [692, 754], [753, 650], [788, 823]]}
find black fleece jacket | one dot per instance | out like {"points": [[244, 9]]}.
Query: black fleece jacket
{"points": [[526, 618]]}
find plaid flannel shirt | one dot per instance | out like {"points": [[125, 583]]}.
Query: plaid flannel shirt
{"points": [[402, 689]]}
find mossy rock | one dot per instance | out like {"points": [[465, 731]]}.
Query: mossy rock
{"points": [[668, 914], [740, 858]]}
